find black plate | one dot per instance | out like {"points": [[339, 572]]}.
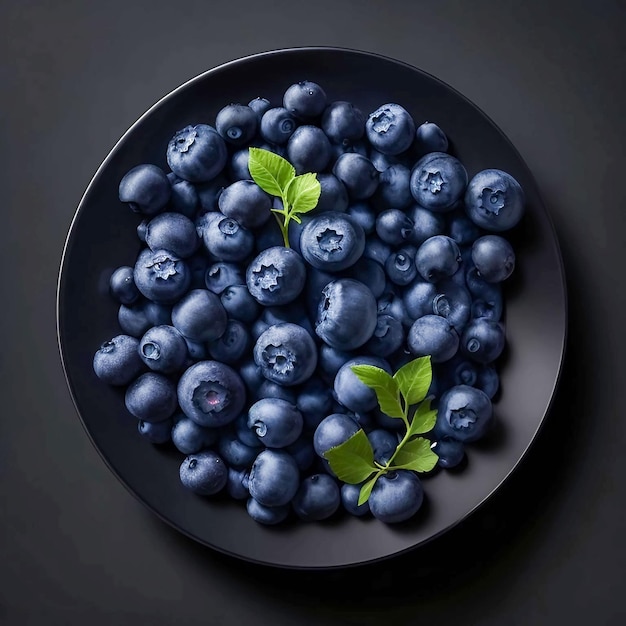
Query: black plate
{"points": [[102, 237]]}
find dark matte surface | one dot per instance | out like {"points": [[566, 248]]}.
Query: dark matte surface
{"points": [[77, 548], [103, 236]]}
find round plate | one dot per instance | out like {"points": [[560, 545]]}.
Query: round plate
{"points": [[102, 237]]}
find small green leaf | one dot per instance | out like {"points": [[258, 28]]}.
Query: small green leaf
{"points": [[366, 489], [414, 379], [423, 420], [384, 385], [303, 193], [353, 460], [270, 171], [415, 455]]}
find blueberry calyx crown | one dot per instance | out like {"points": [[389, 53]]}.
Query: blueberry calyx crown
{"points": [[183, 139]]}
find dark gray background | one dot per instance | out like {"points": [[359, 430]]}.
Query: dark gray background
{"points": [[76, 548]]}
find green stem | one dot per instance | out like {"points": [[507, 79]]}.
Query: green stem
{"points": [[405, 419], [284, 228]]}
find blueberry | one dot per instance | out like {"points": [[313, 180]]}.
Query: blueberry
{"points": [[146, 189], [204, 473], [211, 393], [330, 360], [277, 125], [136, 319], [494, 200], [141, 229], [451, 452], [236, 485], [317, 498], [303, 453], [161, 275], [184, 198], [394, 227], [200, 316], [343, 122], [189, 437], [394, 189], [305, 99], [274, 478], [209, 193], [270, 389], [347, 314], [385, 161], [430, 138], [276, 276], [226, 239], [438, 180], [294, 313], [387, 338], [333, 196], [400, 266], [235, 453], [390, 129], [464, 413], [332, 241], [357, 147], [117, 361], [236, 124], [247, 203], [437, 258], [286, 354], [220, 276], [483, 340], [268, 515], [462, 229], [452, 302], [364, 215], [332, 431], [493, 257], [277, 423], [232, 345], [197, 153], [426, 224], [259, 105], [316, 280], [391, 303], [122, 285], [358, 174], [151, 397], [308, 149], [258, 328], [251, 375], [384, 444], [370, 273], [488, 380], [418, 298], [376, 250], [351, 392], [173, 232], [314, 401], [396, 496], [350, 500], [163, 349], [157, 433], [486, 297], [238, 166], [433, 335], [198, 264], [239, 303]]}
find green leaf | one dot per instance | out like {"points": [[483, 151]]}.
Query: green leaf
{"points": [[423, 420], [352, 460], [303, 193], [415, 455], [414, 379], [270, 171], [384, 385], [366, 489]]}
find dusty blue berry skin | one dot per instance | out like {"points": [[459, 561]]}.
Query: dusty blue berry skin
{"points": [[305, 99], [209, 193], [370, 273], [197, 153], [343, 122], [277, 423], [161, 276], [122, 285], [350, 500], [437, 258], [173, 232], [117, 361], [400, 266], [137, 318], [259, 105], [314, 401], [451, 452], [494, 200], [332, 241], [308, 149], [236, 124], [358, 174], [155, 432], [330, 360], [163, 349], [200, 316], [247, 203], [364, 215], [239, 303], [464, 413], [252, 376], [483, 340], [453, 302], [384, 444], [189, 437], [286, 354], [394, 189], [462, 229], [396, 496], [276, 276], [486, 297], [317, 498], [274, 478], [236, 485], [332, 431], [235, 453], [493, 257], [426, 224], [267, 515], [184, 198], [204, 473], [434, 335], [277, 125], [211, 393], [226, 239], [418, 298], [376, 250], [351, 392], [146, 189], [394, 227], [391, 303], [303, 452], [430, 138], [438, 181], [270, 389], [238, 165], [219, 276], [390, 129], [151, 397], [233, 345], [333, 196], [387, 338], [346, 315]]}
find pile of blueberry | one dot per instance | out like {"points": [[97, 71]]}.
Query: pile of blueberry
{"points": [[237, 349]]}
